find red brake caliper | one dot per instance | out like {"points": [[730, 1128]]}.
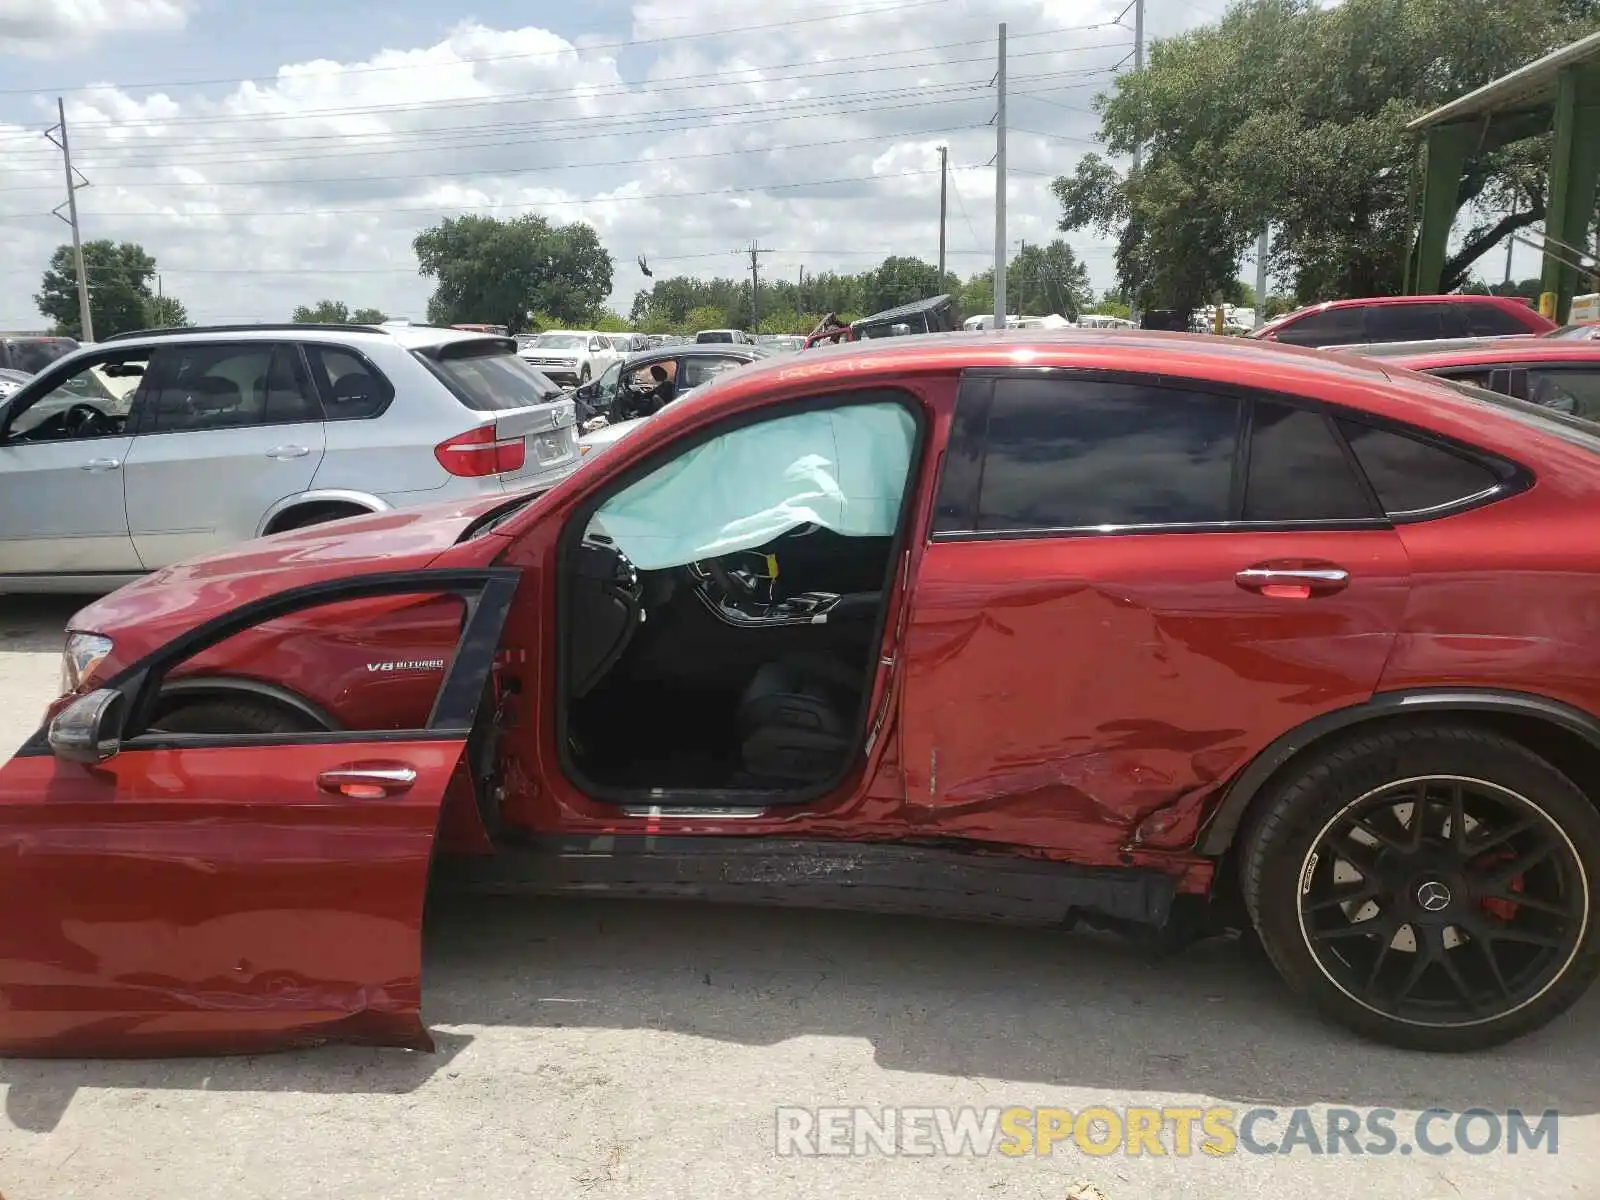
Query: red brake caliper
{"points": [[1505, 910]]}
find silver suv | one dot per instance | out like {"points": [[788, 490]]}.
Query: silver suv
{"points": [[151, 448]]}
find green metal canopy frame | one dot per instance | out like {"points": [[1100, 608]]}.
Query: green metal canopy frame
{"points": [[1560, 91]]}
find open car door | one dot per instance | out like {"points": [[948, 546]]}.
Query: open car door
{"points": [[182, 893]]}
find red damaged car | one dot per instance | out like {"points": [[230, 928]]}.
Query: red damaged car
{"points": [[1144, 631]]}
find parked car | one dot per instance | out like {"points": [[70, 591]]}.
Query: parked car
{"points": [[11, 380], [736, 336], [631, 393], [1555, 373], [1586, 332], [571, 356], [1404, 319], [1140, 631], [33, 352], [148, 449]]}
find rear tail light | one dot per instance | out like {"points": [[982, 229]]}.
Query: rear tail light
{"points": [[480, 452]]}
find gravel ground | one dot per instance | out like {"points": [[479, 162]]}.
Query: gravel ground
{"points": [[633, 1050]]}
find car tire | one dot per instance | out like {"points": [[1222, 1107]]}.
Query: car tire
{"points": [[583, 375], [1400, 930], [242, 714]]}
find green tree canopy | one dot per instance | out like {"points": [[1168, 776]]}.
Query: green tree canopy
{"points": [[163, 312], [1046, 279], [498, 272], [119, 288], [336, 312], [1293, 114]]}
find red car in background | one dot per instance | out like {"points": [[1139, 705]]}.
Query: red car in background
{"points": [[1557, 373], [1404, 319], [1143, 631]]}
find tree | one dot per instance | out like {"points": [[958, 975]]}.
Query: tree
{"points": [[901, 279], [324, 312], [498, 272], [119, 288], [163, 312], [1049, 278], [336, 312], [1293, 114]]}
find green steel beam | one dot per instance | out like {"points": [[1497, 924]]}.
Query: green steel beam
{"points": [[1445, 153], [1574, 167]]}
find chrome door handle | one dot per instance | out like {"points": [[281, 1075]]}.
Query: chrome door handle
{"points": [[1293, 583], [100, 464], [360, 782], [289, 452]]}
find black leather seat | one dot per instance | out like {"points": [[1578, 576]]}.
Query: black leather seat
{"points": [[798, 720]]}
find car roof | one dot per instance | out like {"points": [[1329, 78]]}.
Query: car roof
{"points": [[694, 350], [410, 337], [1390, 301], [1469, 351]]}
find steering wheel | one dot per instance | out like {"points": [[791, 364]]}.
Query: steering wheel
{"points": [[83, 420], [733, 586]]}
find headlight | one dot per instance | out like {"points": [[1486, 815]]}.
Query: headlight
{"points": [[84, 652]]}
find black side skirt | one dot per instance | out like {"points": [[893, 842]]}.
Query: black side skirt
{"points": [[882, 877]]}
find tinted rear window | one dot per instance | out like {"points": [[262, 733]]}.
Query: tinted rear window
{"points": [[1330, 327], [1412, 476], [1298, 469], [493, 381]]}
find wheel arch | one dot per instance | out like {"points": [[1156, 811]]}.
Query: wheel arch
{"points": [[1565, 736], [362, 500], [200, 687]]}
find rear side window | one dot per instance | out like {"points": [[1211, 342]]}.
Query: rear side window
{"points": [[700, 369], [1410, 322], [1574, 390], [1298, 470], [1412, 476], [217, 386], [1069, 454], [493, 381], [1330, 327], [1489, 320], [354, 388]]}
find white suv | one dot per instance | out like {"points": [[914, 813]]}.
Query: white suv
{"points": [[571, 356], [151, 448]]}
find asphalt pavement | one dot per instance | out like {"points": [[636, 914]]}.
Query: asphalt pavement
{"points": [[614, 1049]]}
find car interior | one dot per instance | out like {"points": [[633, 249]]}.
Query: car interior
{"points": [[94, 401], [721, 613]]}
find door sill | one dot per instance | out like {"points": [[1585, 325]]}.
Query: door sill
{"points": [[882, 877]]}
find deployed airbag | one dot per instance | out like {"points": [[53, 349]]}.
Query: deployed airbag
{"points": [[843, 468]]}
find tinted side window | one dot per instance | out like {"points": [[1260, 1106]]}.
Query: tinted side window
{"points": [[355, 389], [1411, 476], [1409, 322], [1574, 390], [1331, 327], [210, 386], [1488, 320], [1065, 454], [1298, 471]]}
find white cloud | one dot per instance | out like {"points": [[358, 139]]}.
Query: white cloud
{"points": [[817, 137], [42, 27]]}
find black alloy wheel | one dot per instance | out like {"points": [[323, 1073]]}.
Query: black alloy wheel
{"points": [[1443, 900], [1427, 886]]}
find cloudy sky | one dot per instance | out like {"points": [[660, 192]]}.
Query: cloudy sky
{"points": [[273, 153]]}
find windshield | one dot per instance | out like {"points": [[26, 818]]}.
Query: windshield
{"points": [[494, 381], [1589, 331], [561, 341], [619, 343]]}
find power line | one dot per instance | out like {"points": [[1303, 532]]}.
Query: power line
{"points": [[496, 172], [456, 207], [725, 77]]}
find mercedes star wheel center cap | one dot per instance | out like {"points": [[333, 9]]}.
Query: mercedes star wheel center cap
{"points": [[1433, 896]]}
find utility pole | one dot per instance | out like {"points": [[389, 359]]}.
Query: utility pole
{"points": [[85, 320], [1138, 150], [1511, 244], [1022, 278], [944, 178], [756, 251], [1000, 189], [1262, 245]]}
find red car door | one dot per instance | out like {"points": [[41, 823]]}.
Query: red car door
{"points": [[232, 892], [1134, 585]]}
